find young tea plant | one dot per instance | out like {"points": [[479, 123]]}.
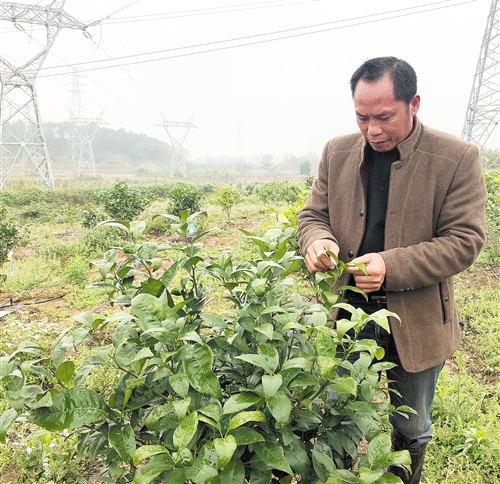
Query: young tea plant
{"points": [[212, 398]]}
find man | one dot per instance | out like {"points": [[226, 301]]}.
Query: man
{"points": [[408, 202]]}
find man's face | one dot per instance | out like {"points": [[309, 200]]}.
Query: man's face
{"points": [[383, 121]]}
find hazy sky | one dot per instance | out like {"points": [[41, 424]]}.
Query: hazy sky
{"points": [[286, 96]]}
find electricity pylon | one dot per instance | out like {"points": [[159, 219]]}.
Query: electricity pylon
{"points": [[18, 100], [177, 164], [83, 130], [484, 104]]}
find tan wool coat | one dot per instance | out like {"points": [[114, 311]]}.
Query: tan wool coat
{"points": [[434, 230]]}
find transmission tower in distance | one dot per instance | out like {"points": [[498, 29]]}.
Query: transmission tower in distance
{"points": [[83, 129], [484, 104], [177, 163], [18, 100]]}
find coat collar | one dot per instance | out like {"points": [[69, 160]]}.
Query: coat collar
{"points": [[407, 147]]}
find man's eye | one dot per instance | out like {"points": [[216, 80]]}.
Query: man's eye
{"points": [[385, 119], [362, 119]]}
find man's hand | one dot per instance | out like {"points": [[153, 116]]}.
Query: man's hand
{"points": [[375, 267], [317, 260]]}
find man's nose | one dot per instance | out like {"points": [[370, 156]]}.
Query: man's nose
{"points": [[374, 128]]}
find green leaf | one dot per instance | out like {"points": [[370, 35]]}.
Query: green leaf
{"points": [[345, 384], [169, 274], [181, 407], [146, 451], [379, 446], [266, 329], [381, 317], [125, 354], [246, 435], [369, 475], [225, 448], [157, 413], [147, 473], [85, 318], [243, 417], [325, 460], [327, 365], [58, 352], [71, 408], [276, 294], [149, 311], [365, 418], [233, 473], [79, 336], [214, 321], [319, 319], [152, 286], [122, 439], [388, 478], [148, 250], [271, 384], [325, 345], [273, 456], [280, 407], [180, 384], [65, 372], [260, 476], [6, 420], [212, 410], [257, 360], [137, 227], [302, 363], [185, 431], [297, 457], [343, 476], [6, 365], [271, 353], [197, 364]]}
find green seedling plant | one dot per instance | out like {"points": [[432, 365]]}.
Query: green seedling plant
{"points": [[213, 398], [10, 236]]}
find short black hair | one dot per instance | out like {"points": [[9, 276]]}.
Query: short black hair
{"points": [[402, 74]]}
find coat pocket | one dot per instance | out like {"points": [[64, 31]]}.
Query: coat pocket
{"points": [[446, 300]]}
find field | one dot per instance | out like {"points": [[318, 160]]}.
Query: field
{"points": [[49, 271]]}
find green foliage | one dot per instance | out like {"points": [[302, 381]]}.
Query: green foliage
{"points": [[45, 458], [185, 197], [267, 163], [226, 197], [305, 167], [288, 218], [308, 181], [466, 445], [91, 216], [480, 314], [123, 202], [10, 236], [279, 191], [76, 271], [491, 251], [204, 397], [492, 180]]}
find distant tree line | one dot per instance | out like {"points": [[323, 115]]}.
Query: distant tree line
{"points": [[107, 141]]}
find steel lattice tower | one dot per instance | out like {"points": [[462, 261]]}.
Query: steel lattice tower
{"points": [[83, 129], [177, 164], [484, 103], [18, 100]]}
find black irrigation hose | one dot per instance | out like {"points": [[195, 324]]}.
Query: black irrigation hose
{"points": [[7, 305]]}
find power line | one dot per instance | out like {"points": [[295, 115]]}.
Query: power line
{"points": [[198, 12], [178, 14], [237, 39]]}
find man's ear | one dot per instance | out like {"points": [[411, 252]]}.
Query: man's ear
{"points": [[414, 105]]}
